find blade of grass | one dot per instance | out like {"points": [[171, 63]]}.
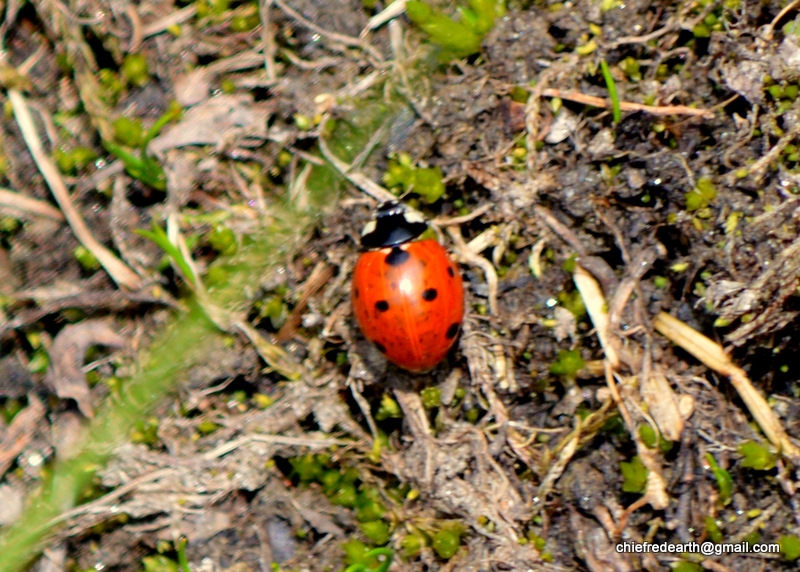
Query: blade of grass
{"points": [[612, 91]]}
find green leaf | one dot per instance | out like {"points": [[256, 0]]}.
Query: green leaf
{"points": [[160, 237], [724, 480], [756, 456], [635, 475]]}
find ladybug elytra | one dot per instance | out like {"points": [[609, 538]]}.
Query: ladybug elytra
{"points": [[407, 294]]}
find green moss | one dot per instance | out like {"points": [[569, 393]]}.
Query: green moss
{"points": [[634, 474], [223, 240], [377, 532], [75, 159], [404, 177], [159, 563], [85, 258], [790, 547], [246, 19], [135, 70], [207, 427], [128, 131], [389, 409], [756, 456], [446, 542], [356, 552], [412, 544], [701, 196], [431, 397], [568, 364], [686, 566], [648, 435], [631, 68]]}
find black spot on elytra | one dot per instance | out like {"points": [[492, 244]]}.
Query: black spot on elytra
{"points": [[429, 295], [381, 347], [355, 293], [452, 331], [381, 305], [397, 257], [450, 271]]}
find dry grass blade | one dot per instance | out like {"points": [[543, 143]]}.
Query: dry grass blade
{"points": [[568, 446], [662, 403], [596, 306], [121, 274], [20, 203], [469, 256], [712, 355], [360, 180]]}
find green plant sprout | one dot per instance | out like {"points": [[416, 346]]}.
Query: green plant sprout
{"points": [[183, 561], [724, 480], [142, 167], [457, 39], [612, 91], [568, 364], [185, 266]]}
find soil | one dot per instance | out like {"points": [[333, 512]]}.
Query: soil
{"points": [[569, 416]]}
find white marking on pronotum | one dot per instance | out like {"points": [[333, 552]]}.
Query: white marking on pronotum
{"points": [[369, 228], [414, 217]]}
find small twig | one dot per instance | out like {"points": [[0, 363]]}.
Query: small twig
{"points": [[786, 9], [564, 233], [309, 442], [445, 221], [136, 32], [20, 432], [533, 109], [594, 101], [16, 201], [121, 274], [474, 259], [670, 27], [268, 39], [173, 18], [320, 276], [597, 308], [361, 181], [391, 12]]}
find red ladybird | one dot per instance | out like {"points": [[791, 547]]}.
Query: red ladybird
{"points": [[407, 295]]}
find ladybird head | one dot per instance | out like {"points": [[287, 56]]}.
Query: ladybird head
{"points": [[392, 224]]}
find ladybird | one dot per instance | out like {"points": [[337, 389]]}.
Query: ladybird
{"points": [[407, 294]]}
